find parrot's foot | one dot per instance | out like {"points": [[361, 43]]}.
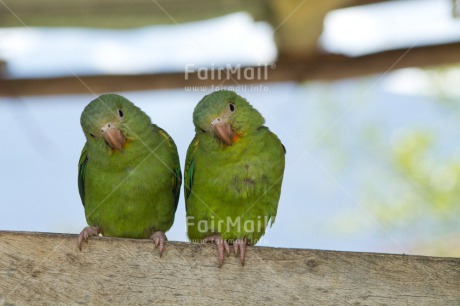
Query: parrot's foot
{"points": [[159, 239], [222, 245], [240, 244], [86, 233]]}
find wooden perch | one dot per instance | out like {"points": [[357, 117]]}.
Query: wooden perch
{"points": [[43, 268]]}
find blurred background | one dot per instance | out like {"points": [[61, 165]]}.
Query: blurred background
{"points": [[365, 95]]}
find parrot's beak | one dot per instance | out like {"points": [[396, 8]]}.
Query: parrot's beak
{"points": [[114, 138], [224, 131]]}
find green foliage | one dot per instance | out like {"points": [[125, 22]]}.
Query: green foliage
{"points": [[400, 158], [435, 183]]}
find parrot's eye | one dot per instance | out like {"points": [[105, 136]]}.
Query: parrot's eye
{"points": [[231, 107], [120, 113], [92, 135]]}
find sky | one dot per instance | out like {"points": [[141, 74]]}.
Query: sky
{"points": [[390, 25], [42, 137]]}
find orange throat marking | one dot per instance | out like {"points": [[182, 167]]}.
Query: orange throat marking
{"points": [[127, 140], [235, 138]]}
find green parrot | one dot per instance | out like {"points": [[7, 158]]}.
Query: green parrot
{"points": [[129, 174], [233, 174]]}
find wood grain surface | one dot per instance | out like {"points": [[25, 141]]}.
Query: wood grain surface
{"points": [[43, 269]]}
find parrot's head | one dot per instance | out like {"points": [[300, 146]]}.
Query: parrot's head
{"points": [[110, 120], [227, 116]]}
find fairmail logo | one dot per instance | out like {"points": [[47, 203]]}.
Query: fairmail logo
{"points": [[230, 72]]}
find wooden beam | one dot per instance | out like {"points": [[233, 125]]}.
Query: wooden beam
{"points": [[2, 68], [351, 3], [119, 13], [136, 13], [298, 24], [330, 67], [456, 8], [43, 269], [322, 67]]}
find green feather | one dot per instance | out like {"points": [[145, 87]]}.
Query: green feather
{"points": [[131, 193], [237, 186], [177, 182], [81, 174], [189, 168]]}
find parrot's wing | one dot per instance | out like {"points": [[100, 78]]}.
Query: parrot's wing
{"points": [[177, 182], [273, 135], [190, 167], [82, 172], [177, 175]]}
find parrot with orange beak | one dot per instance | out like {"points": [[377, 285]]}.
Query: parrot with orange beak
{"points": [[129, 174], [233, 174]]}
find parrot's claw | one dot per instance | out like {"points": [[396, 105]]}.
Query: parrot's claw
{"points": [[86, 233], [159, 239], [222, 247], [240, 244]]}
